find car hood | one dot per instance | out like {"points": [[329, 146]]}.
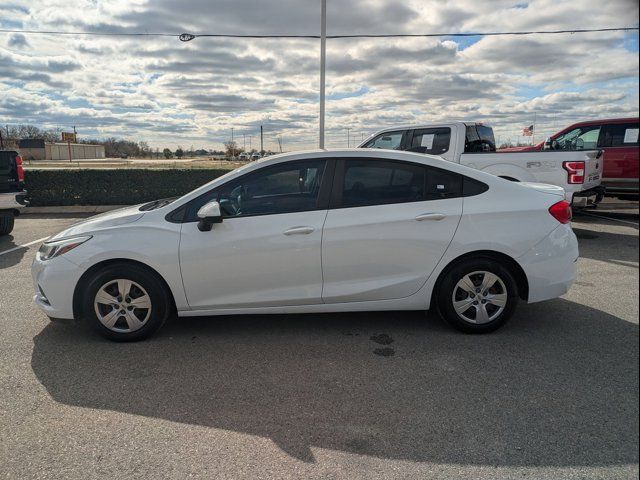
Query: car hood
{"points": [[114, 218]]}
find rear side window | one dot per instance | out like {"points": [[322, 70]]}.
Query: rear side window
{"points": [[373, 182], [479, 139], [619, 135], [433, 141], [386, 141]]}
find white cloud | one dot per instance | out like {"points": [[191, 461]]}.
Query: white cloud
{"points": [[168, 92]]}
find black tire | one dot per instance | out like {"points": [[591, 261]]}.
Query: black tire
{"points": [[160, 298], [6, 223], [445, 295]]}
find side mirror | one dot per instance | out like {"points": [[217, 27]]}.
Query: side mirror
{"points": [[209, 214]]}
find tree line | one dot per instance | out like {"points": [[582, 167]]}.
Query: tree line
{"points": [[113, 147]]}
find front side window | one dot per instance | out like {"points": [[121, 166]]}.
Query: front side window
{"points": [[580, 138], [284, 188], [386, 141], [619, 135], [373, 182], [433, 141]]}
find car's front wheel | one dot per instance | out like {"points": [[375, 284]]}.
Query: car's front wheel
{"points": [[126, 302], [477, 296]]}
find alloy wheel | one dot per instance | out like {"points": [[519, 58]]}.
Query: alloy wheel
{"points": [[479, 297], [122, 305]]}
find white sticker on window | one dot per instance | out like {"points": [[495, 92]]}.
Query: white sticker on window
{"points": [[427, 140], [630, 135]]}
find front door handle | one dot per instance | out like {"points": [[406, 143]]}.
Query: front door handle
{"points": [[299, 231], [430, 216]]}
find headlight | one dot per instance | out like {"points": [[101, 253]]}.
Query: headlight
{"points": [[56, 248]]}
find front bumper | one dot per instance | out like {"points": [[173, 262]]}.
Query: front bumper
{"points": [[551, 265], [54, 282]]}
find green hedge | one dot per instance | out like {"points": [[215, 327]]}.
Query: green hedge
{"points": [[112, 187]]}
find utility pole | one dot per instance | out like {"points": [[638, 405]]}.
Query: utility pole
{"points": [[250, 147], [323, 62], [244, 142], [233, 146], [348, 137], [261, 141]]}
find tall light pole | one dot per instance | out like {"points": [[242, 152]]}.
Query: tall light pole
{"points": [[323, 62]]}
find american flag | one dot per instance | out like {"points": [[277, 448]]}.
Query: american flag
{"points": [[527, 131]]}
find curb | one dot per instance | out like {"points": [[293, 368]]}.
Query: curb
{"points": [[70, 209]]}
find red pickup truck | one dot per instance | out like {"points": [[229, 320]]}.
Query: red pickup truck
{"points": [[617, 137]]}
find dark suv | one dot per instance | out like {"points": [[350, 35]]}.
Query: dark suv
{"points": [[12, 194]]}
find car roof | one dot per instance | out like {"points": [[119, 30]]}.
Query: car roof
{"points": [[604, 120]]}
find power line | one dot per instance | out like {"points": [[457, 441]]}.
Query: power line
{"points": [[185, 37]]}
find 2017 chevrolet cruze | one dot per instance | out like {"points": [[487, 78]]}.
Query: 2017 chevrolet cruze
{"points": [[321, 231]]}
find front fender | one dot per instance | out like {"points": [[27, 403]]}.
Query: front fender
{"points": [[154, 247]]}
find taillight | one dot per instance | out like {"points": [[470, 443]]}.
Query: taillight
{"points": [[575, 171], [561, 211], [19, 168]]}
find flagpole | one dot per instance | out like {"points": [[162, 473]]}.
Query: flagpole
{"points": [[533, 134]]}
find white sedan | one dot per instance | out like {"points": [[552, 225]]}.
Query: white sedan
{"points": [[321, 231]]}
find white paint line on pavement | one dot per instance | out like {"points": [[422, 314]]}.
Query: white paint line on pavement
{"points": [[609, 218], [40, 240]]}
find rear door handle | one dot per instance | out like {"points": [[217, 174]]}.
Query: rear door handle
{"points": [[299, 231], [430, 216]]}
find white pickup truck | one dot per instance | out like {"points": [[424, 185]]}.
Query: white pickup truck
{"points": [[12, 194], [473, 145]]}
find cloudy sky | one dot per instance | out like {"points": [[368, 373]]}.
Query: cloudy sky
{"points": [[172, 93]]}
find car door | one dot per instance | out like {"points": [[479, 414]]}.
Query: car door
{"points": [[388, 225], [620, 144], [266, 251]]}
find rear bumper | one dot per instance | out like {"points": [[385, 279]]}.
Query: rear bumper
{"points": [[551, 266], [586, 198], [13, 201]]}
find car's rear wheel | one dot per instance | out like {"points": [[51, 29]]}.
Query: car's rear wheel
{"points": [[126, 302], [6, 223], [477, 295]]}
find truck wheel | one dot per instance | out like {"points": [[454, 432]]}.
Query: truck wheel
{"points": [[6, 223]]}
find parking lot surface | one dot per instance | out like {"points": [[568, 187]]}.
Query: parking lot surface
{"points": [[554, 394]]}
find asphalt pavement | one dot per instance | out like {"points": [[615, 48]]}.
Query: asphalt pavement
{"points": [[554, 394]]}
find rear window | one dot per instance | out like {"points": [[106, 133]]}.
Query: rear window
{"points": [[479, 138], [7, 161]]}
